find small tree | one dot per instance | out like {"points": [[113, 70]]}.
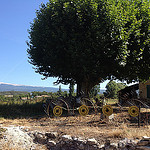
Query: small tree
{"points": [[71, 89], [59, 90], [95, 90], [112, 88]]}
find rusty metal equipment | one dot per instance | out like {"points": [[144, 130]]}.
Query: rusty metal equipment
{"points": [[68, 106]]}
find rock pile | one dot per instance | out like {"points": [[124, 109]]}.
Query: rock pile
{"points": [[28, 140], [65, 142], [15, 137]]}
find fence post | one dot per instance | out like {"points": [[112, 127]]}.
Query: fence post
{"points": [[139, 116]]}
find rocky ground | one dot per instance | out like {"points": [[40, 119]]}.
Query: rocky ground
{"points": [[73, 133]]}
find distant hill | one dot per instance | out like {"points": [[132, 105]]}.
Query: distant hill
{"points": [[26, 88], [13, 87], [13, 93]]}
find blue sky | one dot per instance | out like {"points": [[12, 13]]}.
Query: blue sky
{"points": [[15, 18]]}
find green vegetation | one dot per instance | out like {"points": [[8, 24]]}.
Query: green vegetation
{"points": [[28, 105], [21, 109], [25, 105], [89, 41], [71, 90], [94, 91], [112, 88]]}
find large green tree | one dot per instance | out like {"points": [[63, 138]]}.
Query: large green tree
{"points": [[88, 41]]}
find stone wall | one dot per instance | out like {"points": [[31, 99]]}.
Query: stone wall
{"points": [[55, 141]]}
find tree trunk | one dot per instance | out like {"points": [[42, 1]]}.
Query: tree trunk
{"points": [[84, 88], [78, 89]]}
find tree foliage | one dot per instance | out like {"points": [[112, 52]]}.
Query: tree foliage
{"points": [[88, 41], [94, 91], [134, 22], [112, 88]]}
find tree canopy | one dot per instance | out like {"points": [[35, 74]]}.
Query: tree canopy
{"points": [[88, 41], [134, 22]]}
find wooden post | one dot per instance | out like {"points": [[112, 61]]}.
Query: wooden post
{"points": [[139, 116]]}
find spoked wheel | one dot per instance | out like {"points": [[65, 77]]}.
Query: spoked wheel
{"points": [[56, 107], [90, 104], [48, 107], [138, 111], [83, 110]]}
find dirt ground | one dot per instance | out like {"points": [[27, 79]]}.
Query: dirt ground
{"points": [[89, 126]]}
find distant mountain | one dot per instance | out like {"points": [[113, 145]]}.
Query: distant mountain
{"points": [[26, 88]]}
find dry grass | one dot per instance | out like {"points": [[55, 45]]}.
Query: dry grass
{"points": [[20, 122], [116, 133], [7, 146], [86, 127], [129, 132], [137, 133]]}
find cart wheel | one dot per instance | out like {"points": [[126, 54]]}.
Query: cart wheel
{"points": [[57, 111], [107, 110], [133, 111], [83, 110]]}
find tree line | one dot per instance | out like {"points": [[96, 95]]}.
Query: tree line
{"points": [[111, 92]]}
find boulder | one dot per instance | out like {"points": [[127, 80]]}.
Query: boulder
{"points": [[146, 138], [40, 138], [51, 135], [81, 146], [66, 138], [51, 143], [91, 141], [143, 142]]}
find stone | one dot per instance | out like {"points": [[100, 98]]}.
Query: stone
{"points": [[101, 146], [91, 141], [81, 146], [111, 117], [62, 143], [51, 135], [123, 143], [114, 144], [146, 138], [111, 147], [66, 138], [143, 142], [142, 148], [40, 138], [107, 143], [51, 143], [17, 138], [81, 140]]}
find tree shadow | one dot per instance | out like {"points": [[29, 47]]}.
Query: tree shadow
{"points": [[24, 110]]}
